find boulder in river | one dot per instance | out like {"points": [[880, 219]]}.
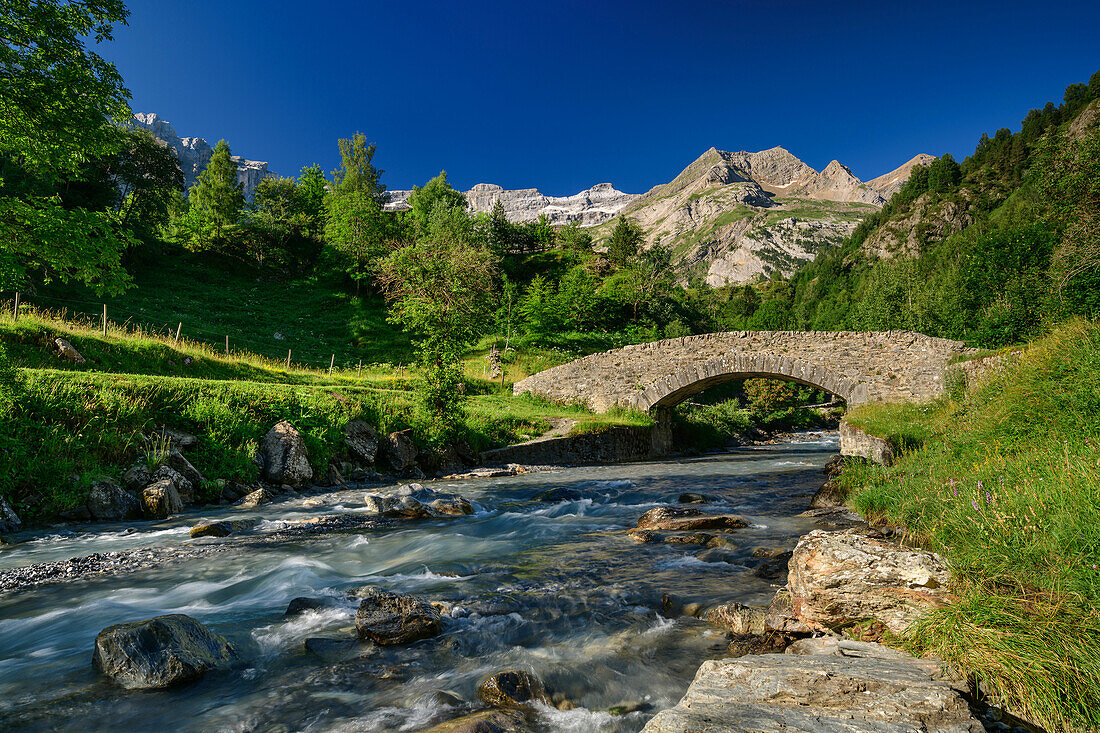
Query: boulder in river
{"points": [[693, 498], [160, 652], [562, 493], [211, 529], [839, 578], [396, 618], [9, 520], [415, 501], [110, 502], [160, 500], [680, 519], [769, 693], [361, 440], [256, 498], [282, 456], [485, 721], [514, 688]]}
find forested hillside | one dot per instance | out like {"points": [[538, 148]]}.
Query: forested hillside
{"points": [[989, 250]]}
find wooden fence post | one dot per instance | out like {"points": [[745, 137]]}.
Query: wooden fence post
{"points": [[331, 362], [104, 320], [227, 346], [288, 360], [16, 311], [178, 329], [360, 372]]}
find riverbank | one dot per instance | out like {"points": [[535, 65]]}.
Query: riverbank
{"points": [[1003, 479]]}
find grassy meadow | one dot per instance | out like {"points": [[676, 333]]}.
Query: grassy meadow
{"points": [[1003, 479]]}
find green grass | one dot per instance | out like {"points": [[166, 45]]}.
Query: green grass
{"points": [[317, 317], [1004, 480]]}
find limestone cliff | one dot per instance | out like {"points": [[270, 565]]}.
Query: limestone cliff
{"points": [[590, 207], [194, 153], [740, 216]]}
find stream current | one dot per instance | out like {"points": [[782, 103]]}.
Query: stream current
{"points": [[557, 588]]}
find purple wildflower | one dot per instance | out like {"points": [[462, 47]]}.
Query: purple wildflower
{"points": [[988, 498], [980, 487], [975, 505]]}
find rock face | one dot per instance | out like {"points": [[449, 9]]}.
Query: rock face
{"points": [[396, 618], [110, 502], [838, 578], [400, 450], [827, 694], [194, 153], [9, 520], [282, 456], [512, 689], [160, 652], [361, 441], [592, 206], [741, 216], [890, 183]]}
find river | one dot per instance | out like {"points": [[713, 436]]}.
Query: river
{"points": [[553, 587]]}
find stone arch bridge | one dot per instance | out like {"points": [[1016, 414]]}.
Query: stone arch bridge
{"points": [[860, 367]]}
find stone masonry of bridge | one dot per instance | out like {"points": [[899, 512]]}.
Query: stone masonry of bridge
{"points": [[860, 367]]}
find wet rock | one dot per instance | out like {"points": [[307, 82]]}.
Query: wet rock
{"points": [[687, 518], [9, 520], [692, 498], [742, 645], [138, 476], [455, 506], [839, 647], [400, 451], [838, 578], [211, 529], [256, 498], [737, 618], [768, 552], [160, 652], [282, 456], [361, 440], [161, 500], [68, 351], [773, 568], [836, 465], [399, 507], [183, 466], [329, 648], [441, 461], [769, 693], [396, 618], [561, 493], [830, 495], [302, 604], [512, 689], [626, 708], [486, 721], [108, 501]]}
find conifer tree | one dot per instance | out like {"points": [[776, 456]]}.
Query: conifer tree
{"points": [[217, 198]]}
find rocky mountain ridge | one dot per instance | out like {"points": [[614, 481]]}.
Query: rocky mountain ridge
{"points": [[194, 153], [739, 216], [590, 207]]}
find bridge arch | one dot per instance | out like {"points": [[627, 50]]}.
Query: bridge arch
{"points": [[672, 389]]}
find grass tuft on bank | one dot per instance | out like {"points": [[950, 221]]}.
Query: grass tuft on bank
{"points": [[1003, 479]]}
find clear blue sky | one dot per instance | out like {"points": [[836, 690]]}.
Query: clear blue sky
{"points": [[562, 95]]}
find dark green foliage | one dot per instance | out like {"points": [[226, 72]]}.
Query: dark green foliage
{"points": [[626, 238]]}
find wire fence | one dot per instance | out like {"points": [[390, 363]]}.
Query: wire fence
{"points": [[88, 315]]}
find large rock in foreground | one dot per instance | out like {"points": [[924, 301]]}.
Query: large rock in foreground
{"points": [[160, 652], [486, 721], [282, 456], [839, 578], [683, 519], [770, 693], [512, 689], [110, 502], [9, 520], [396, 618]]}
